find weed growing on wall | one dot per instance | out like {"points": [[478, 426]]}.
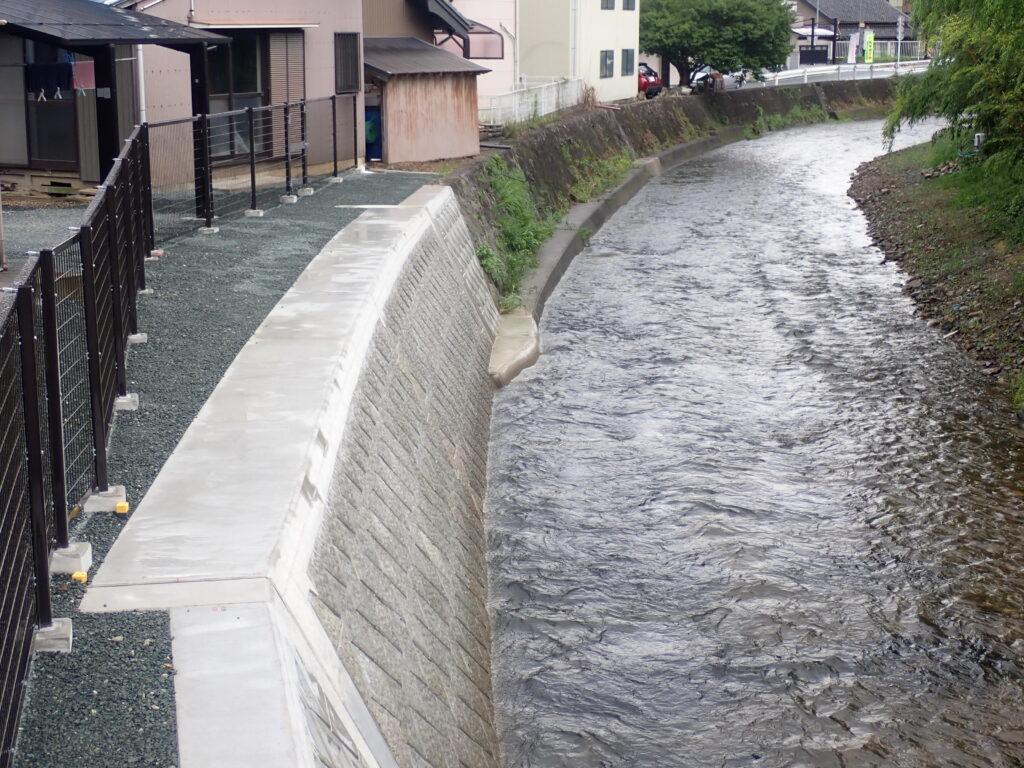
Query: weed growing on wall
{"points": [[798, 115], [521, 230], [592, 173]]}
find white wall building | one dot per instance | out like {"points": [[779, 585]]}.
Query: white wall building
{"points": [[492, 43], [597, 40]]}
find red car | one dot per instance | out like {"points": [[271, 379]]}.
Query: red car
{"points": [[650, 84]]}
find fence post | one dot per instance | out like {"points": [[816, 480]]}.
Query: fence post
{"points": [[146, 174], [250, 119], [355, 130], [304, 138], [334, 131], [34, 447], [287, 148], [116, 256], [92, 343], [55, 418], [204, 172]]}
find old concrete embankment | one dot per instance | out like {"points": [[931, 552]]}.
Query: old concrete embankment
{"points": [[660, 134], [318, 535]]}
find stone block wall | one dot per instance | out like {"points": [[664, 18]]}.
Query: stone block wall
{"points": [[399, 571]]}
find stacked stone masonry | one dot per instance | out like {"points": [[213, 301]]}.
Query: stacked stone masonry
{"points": [[400, 571]]}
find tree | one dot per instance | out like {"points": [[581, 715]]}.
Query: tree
{"points": [[727, 35], [976, 82]]}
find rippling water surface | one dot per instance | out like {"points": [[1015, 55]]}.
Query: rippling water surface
{"points": [[747, 510]]}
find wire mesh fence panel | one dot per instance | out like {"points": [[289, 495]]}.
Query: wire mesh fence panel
{"points": [[104, 316], [17, 600], [73, 362], [350, 128], [172, 163], [232, 142], [41, 387], [272, 163], [320, 119]]}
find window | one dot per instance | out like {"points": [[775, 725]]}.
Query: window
{"points": [[629, 5], [607, 5], [628, 61], [607, 63], [346, 62]]}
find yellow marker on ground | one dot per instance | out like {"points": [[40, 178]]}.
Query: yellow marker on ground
{"points": [[80, 576], [121, 508]]}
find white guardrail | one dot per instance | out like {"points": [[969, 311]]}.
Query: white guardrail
{"points": [[532, 101], [844, 72]]}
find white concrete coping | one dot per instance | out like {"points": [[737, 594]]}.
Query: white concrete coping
{"points": [[230, 523]]}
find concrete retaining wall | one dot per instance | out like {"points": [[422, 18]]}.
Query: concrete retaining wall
{"points": [[316, 535], [549, 156]]}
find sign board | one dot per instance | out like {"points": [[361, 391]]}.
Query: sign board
{"points": [[851, 54], [869, 47], [899, 29]]}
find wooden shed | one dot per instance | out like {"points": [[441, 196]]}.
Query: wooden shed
{"points": [[421, 101]]}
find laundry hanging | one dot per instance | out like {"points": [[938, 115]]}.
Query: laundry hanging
{"points": [[49, 78]]}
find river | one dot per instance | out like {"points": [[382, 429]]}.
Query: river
{"points": [[747, 509]]}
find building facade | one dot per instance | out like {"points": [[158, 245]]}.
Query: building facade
{"points": [[596, 40]]}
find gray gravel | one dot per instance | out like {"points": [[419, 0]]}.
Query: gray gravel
{"points": [[111, 702], [32, 229]]}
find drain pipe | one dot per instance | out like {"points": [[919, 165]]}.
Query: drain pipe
{"points": [[140, 83], [573, 33]]}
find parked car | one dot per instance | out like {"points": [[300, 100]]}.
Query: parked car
{"points": [[703, 79], [650, 84]]}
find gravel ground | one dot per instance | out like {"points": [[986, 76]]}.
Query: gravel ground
{"points": [[32, 229], [111, 701]]}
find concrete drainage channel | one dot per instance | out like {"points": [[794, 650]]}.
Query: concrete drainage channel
{"points": [[317, 536]]}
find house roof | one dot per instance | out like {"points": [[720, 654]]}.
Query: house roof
{"points": [[445, 13], [75, 23], [386, 57], [868, 11]]}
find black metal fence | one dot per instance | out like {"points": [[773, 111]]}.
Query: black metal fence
{"points": [[65, 328], [211, 166], [63, 334]]}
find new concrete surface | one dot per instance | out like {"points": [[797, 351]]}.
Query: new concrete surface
{"points": [[110, 703], [224, 538]]}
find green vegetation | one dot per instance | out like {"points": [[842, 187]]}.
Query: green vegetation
{"points": [[727, 35], [521, 227], [976, 84], [798, 115], [515, 130], [521, 230], [594, 174]]}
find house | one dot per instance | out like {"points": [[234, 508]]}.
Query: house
{"points": [[421, 99], [834, 21], [68, 86], [492, 42], [596, 40]]}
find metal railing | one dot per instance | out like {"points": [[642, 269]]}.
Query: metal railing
{"points": [[886, 50], [63, 334], [65, 327], [535, 100], [223, 164], [842, 72]]}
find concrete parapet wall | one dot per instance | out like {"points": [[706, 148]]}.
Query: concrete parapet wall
{"points": [[316, 535]]}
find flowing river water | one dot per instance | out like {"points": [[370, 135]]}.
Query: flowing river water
{"points": [[747, 510]]}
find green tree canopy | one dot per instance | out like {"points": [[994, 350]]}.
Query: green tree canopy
{"points": [[727, 35], [977, 81]]}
